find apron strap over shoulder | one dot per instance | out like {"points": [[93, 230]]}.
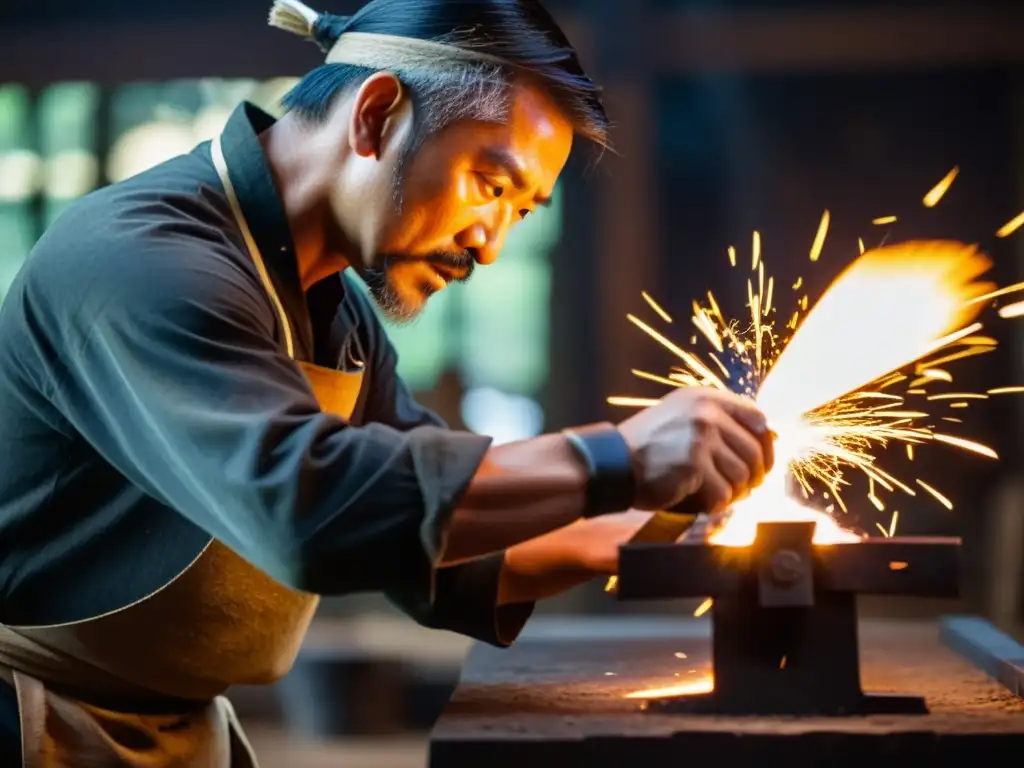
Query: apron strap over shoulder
{"points": [[31, 717]]}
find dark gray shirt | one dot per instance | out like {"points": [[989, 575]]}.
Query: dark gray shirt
{"points": [[147, 404]]}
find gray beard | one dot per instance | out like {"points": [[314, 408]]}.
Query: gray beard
{"points": [[387, 298]]}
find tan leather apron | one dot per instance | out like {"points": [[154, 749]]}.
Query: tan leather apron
{"points": [[220, 622]]}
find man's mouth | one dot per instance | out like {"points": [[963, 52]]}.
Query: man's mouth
{"points": [[446, 274], [441, 278]]}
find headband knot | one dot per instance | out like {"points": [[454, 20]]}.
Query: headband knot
{"points": [[293, 16]]}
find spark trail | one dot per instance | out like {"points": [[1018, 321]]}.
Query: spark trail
{"points": [[848, 376]]}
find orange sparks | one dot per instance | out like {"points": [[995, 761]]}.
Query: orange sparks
{"points": [[656, 307], [633, 402], [936, 193], [1011, 226], [967, 445], [936, 373], [898, 565], [1012, 310], [655, 378], [703, 607], [926, 298], [704, 684], [819, 238], [997, 293], [938, 496]]}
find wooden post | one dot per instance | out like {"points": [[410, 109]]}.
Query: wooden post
{"points": [[1004, 577], [625, 214]]}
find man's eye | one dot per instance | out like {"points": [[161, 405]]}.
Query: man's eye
{"points": [[489, 187]]}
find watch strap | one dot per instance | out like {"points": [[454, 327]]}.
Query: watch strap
{"points": [[605, 452]]}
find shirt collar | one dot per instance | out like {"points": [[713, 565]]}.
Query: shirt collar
{"points": [[261, 204]]}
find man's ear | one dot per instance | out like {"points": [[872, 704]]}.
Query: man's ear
{"points": [[376, 100]]}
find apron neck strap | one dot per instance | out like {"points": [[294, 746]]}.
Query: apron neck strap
{"points": [[220, 163]]}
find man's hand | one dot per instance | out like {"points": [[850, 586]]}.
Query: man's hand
{"points": [[698, 440], [560, 560]]}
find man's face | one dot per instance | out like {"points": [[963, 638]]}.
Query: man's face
{"points": [[461, 193]]}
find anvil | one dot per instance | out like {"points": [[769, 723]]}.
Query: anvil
{"points": [[784, 616]]}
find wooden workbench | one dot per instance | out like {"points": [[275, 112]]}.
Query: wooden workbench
{"points": [[559, 695]]}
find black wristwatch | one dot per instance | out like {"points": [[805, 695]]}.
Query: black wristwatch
{"points": [[612, 484]]}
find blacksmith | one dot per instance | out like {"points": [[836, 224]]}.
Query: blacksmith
{"points": [[201, 425]]}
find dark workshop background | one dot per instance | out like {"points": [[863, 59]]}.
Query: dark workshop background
{"points": [[730, 116]]}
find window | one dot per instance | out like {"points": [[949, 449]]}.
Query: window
{"points": [[19, 175], [69, 138]]}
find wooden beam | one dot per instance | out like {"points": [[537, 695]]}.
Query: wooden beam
{"points": [[812, 39], [222, 44], [238, 44]]}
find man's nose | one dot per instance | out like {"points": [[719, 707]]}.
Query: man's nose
{"points": [[485, 242]]}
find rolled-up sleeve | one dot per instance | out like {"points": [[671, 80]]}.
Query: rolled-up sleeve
{"points": [[172, 373], [465, 596], [466, 601]]}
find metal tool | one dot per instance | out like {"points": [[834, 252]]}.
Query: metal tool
{"points": [[669, 525]]}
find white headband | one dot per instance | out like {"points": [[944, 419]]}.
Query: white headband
{"points": [[372, 50]]}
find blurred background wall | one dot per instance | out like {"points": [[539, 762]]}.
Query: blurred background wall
{"points": [[731, 115]]}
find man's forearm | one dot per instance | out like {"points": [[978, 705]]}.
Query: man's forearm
{"points": [[520, 491]]}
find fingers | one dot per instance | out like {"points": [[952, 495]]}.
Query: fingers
{"points": [[768, 450], [742, 409], [749, 451], [746, 432], [718, 439], [734, 471], [716, 490]]}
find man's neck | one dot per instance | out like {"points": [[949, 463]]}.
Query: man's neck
{"points": [[302, 184]]}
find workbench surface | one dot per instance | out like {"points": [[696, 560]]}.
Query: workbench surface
{"points": [[559, 693]]}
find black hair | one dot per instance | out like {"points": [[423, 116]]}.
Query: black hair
{"points": [[519, 31]]}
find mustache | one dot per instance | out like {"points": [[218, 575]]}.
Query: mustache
{"points": [[459, 263]]}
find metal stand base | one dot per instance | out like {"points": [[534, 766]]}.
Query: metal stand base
{"points": [[784, 644], [784, 617], [786, 661], [710, 704]]}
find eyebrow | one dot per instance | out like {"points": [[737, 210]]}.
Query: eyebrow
{"points": [[509, 163]]}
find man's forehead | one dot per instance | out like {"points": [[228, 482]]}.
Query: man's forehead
{"points": [[534, 140]]}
